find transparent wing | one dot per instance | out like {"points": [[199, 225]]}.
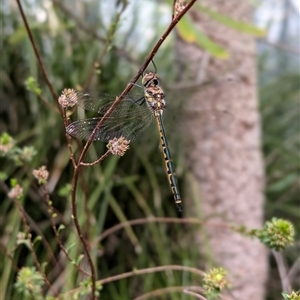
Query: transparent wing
{"points": [[128, 119], [102, 102]]}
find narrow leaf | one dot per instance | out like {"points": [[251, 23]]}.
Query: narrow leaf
{"points": [[189, 33], [231, 23]]}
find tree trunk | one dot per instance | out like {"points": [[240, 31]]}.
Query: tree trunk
{"points": [[225, 158]]}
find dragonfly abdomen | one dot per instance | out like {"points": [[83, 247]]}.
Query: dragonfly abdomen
{"points": [[168, 163]]}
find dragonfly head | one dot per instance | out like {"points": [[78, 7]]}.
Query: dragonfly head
{"points": [[150, 79]]}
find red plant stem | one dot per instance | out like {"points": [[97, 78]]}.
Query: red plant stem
{"points": [[38, 57]]}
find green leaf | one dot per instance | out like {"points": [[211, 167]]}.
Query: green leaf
{"points": [[44, 266], [3, 176], [231, 23], [65, 190], [189, 33], [13, 182], [70, 246], [32, 85], [283, 183], [37, 239], [60, 228], [79, 259]]}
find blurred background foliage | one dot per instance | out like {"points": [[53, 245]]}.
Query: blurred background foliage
{"points": [[70, 37]]}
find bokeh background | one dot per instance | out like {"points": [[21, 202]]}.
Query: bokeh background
{"points": [[103, 44]]}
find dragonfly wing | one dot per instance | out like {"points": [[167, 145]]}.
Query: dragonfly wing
{"points": [[82, 129], [102, 102], [127, 120]]}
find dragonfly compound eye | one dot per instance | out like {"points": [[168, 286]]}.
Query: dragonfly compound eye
{"points": [[155, 81]]}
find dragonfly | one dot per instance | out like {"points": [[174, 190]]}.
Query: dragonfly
{"points": [[132, 115]]}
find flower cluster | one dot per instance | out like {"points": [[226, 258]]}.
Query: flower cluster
{"points": [[179, 7], [68, 98], [16, 192], [277, 234], [6, 143], [214, 282], [30, 281], [292, 296], [41, 174], [118, 146]]}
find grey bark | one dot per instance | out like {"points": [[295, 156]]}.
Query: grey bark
{"points": [[225, 159]]}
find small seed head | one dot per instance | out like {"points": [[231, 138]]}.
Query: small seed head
{"points": [[41, 174], [277, 234], [215, 281], [179, 7], [16, 192], [118, 146], [68, 98], [6, 143]]}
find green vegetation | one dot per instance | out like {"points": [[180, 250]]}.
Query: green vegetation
{"points": [[41, 252]]}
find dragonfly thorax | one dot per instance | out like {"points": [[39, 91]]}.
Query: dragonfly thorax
{"points": [[155, 98]]}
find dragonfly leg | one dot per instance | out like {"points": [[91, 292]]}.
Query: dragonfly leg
{"points": [[137, 85], [140, 101]]}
